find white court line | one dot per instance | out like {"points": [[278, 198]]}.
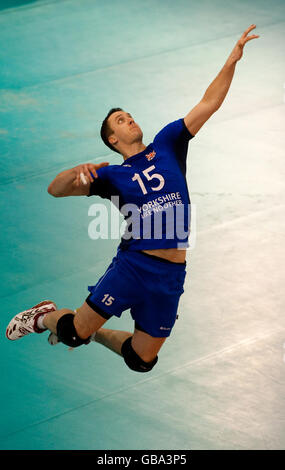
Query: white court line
{"points": [[215, 354], [193, 362], [134, 60], [18, 179]]}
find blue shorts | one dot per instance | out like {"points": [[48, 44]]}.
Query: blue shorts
{"points": [[149, 286]]}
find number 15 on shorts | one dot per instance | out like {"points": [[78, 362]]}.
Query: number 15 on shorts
{"points": [[107, 299]]}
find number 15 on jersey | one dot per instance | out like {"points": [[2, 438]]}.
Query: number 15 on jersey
{"points": [[149, 177]]}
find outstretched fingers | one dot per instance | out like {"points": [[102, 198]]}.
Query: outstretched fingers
{"points": [[244, 38]]}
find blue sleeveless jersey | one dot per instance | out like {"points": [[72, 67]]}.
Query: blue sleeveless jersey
{"points": [[150, 190]]}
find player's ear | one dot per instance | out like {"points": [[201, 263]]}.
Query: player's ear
{"points": [[112, 139]]}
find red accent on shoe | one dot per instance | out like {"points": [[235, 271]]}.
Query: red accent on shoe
{"points": [[36, 328], [42, 312]]}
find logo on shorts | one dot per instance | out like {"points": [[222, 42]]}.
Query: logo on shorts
{"points": [[150, 155], [164, 328]]}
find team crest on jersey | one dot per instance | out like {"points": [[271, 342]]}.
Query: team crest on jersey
{"points": [[150, 155]]}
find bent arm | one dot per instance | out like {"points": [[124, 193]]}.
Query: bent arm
{"points": [[65, 184], [69, 183]]}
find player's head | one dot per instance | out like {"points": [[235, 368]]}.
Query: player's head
{"points": [[119, 128]]}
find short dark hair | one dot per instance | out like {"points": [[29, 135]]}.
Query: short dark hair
{"points": [[106, 130]]}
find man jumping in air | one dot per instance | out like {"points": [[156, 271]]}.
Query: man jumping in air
{"points": [[148, 272]]}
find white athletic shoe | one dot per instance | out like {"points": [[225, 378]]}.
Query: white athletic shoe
{"points": [[26, 322], [53, 339]]}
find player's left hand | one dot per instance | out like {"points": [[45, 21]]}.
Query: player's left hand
{"points": [[238, 49]]}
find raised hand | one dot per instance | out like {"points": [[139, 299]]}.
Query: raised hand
{"points": [[238, 49]]}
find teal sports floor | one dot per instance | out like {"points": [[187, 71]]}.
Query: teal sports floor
{"points": [[220, 379]]}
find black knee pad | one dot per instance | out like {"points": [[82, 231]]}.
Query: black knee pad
{"points": [[66, 332], [133, 360]]}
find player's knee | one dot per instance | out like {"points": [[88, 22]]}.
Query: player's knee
{"points": [[133, 360], [67, 333]]}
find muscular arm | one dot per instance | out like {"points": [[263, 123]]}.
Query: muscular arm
{"points": [[218, 89], [68, 182], [64, 184]]}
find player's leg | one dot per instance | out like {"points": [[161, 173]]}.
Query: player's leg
{"points": [[114, 293], [46, 315], [145, 345], [156, 286], [112, 339], [140, 350], [50, 321], [106, 299], [86, 321]]}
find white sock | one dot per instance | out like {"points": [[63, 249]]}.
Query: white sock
{"points": [[40, 322]]}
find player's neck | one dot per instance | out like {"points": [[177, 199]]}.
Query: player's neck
{"points": [[133, 149]]}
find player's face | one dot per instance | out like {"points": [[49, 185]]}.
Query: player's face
{"points": [[125, 129]]}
